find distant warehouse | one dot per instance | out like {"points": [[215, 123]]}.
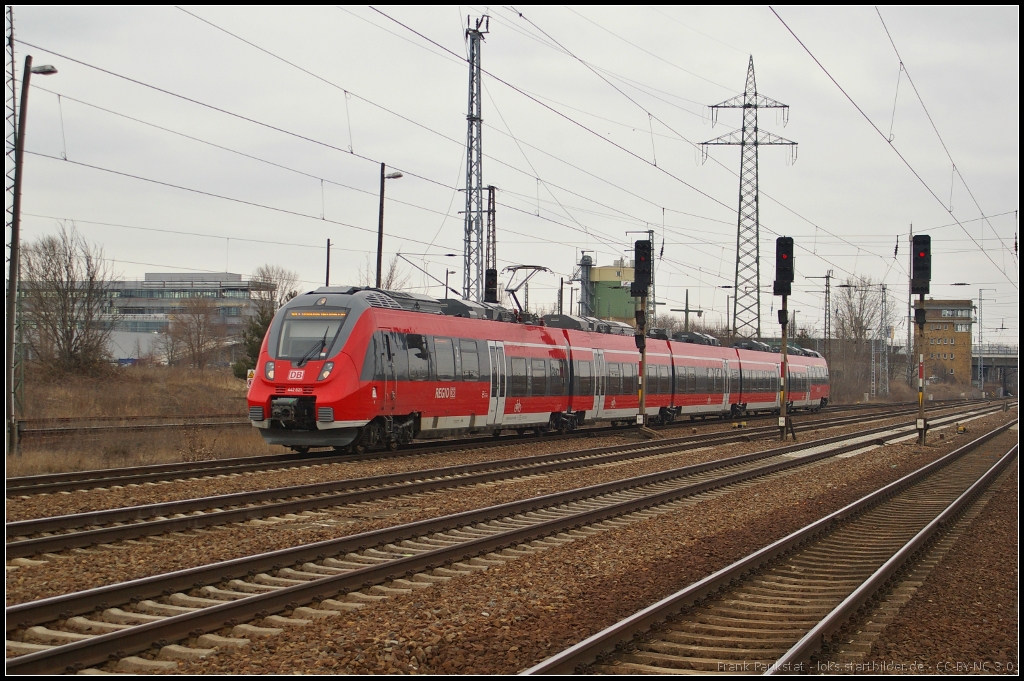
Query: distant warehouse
{"points": [[143, 310]]}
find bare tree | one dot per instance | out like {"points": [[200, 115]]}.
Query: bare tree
{"points": [[168, 347], [392, 278], [273, 286], [66, 304], [199, 329], [858, 323]]}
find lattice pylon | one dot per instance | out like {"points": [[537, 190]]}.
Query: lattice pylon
{"points": [[746, 312], [473, 240]]}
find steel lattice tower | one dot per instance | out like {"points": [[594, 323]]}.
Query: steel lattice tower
{"points": [[10, 122], [10, 139], [746, 312], [473, 242]]}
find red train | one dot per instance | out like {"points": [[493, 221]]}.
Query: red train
{"points": [[356, 368]]}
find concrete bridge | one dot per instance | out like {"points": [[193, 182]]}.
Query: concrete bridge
{"points": [[998, 364]]}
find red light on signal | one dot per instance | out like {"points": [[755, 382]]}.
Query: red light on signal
{"points": [[921, 254], [784, 256]]}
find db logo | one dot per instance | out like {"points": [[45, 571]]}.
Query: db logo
{"points": [[519, 406], [445, 394], [296, 374]]}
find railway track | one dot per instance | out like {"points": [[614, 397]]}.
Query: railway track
{"points": [[777, 609], [136, 475], [54, 534], [327, 578]]}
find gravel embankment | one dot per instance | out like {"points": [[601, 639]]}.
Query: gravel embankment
{"points": [[47, 505], [79, 570], [964, 619], [515, 615]]}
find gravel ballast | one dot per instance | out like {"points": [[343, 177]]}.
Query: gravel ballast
{"points": [[517, 614], [964, 619], [78, 570], [64, 503]]}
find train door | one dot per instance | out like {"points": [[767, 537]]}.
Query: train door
{"points": [[600, 371], [496, 406], [726, 383], [390, 379]]}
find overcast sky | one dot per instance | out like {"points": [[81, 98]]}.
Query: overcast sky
{"points": [[583, 147]]}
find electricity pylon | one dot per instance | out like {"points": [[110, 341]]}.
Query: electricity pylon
{"points": [[746, 312], [473, 243]]}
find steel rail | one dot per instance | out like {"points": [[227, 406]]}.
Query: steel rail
{"points": [[819, 636], [320, 495], [99, 648], [605, 642], [48, 483]]}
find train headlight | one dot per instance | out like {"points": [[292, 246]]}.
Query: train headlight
{"points": [[268, 371], [326, 371]]}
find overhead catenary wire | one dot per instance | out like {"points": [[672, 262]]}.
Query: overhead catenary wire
{"points": [[220, 196], [956, 170], [882, 134], [669, 127]]}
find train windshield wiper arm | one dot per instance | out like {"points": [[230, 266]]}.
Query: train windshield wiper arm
{"points": [[317, 347]]}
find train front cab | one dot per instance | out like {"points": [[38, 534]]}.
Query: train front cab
{"points": [[306, 374]]}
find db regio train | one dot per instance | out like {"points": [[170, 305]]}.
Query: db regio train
{"points": [[362, 368]]}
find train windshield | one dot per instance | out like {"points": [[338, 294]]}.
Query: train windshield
{"points": [[309, 334]]}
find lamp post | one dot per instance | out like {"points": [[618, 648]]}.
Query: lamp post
{"points": [[12, 279], [446, 273], [380, 221], [981, 332]]}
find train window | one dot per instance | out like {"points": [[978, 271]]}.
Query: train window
{"points": [[373, 366], [444, 359], [557, 377], [664, 380], [651, 378], [304, 336], [399, 355], [628, 378], [586, 380], [517, 380], [701, 385], [734, 381], [538, 371], [419, 357], [614, 379], [470, 360]]}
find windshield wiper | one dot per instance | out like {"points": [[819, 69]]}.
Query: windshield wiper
{"points": [[321, 344]]}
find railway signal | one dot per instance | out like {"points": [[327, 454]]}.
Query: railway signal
{"points": [[920, 281], [921, 265], [785, 267], [785, 272], [642, 250]]}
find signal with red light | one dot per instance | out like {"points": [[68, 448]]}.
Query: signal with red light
{"points": [[921, 265], [785, 266]]}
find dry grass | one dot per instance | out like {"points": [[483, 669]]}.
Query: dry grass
{"points": [[137, 449], [134, 391], [128, 392]]}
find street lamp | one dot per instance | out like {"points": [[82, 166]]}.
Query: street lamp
{"points": [[12, 278], [981, 331], [380, 221], [446, 273]]}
